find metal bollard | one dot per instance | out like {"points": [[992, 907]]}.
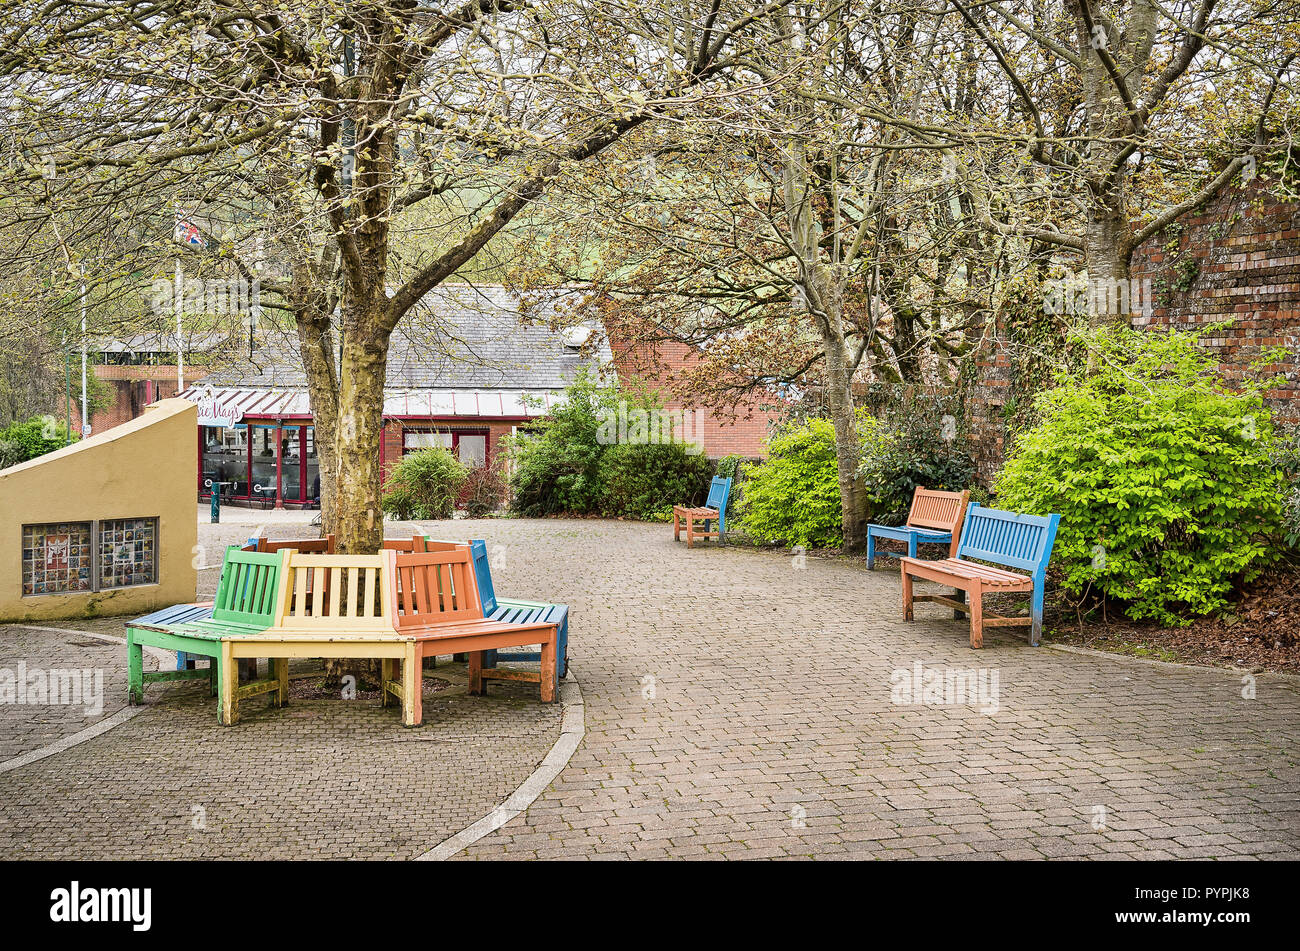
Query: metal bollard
{"points": [[215, 495]]}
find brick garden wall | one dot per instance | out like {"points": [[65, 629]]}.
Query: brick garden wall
{"points": [[1238, 260]]}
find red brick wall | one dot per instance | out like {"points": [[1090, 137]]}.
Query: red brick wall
{"points": [[725, 431], [129, 392], [1238, 260]]}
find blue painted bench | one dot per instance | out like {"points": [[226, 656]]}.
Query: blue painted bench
{"points": [[714, 509], [1015, 541], [934, 518], [514, 611]]}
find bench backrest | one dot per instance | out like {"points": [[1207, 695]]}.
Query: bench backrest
{"points": [[419, 543], [719, 491], [933, 508], [1008, 538], [344, 593], [320, 546], [434, 587], [248, 587]]}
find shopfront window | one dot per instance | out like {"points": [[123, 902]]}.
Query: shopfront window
{"points": [[291, 462], [264, 447], [225, 458], [311, 474]]}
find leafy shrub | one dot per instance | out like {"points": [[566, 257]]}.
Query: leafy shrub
{"points": [[919, 445], [794, 496], [557, 466], [574, 462], [425, 485], [640, 479], [729, 467], [1286, 460], [485, 490], [1162, 477], [22, 441]]}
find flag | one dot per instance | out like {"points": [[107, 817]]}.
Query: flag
{"points": [[188, 234]]}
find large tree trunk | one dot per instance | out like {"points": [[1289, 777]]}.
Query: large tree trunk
{"points": [[316, 344], [1106, 243], [357, 520], [848, 450]]}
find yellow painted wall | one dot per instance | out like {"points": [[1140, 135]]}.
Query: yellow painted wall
{"points": [[146, 468]]}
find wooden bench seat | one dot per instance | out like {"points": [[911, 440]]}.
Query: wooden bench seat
{"points": [[934, 519], [713, 510], [989, 535], [436, 601]]}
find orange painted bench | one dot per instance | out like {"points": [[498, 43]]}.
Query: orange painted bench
{"points": [[935, 518], [713, 510], [436, 602]]}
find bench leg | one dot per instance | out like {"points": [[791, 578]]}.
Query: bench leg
{"points": [[907, 595], [677, 527], [228, 696], [281, 669], [976, 617], [134, 670], [1036, 626], [386, 677], [412, 684], [476, 673], [911, 546], [871, 551], [548, 671], [690, 532]]}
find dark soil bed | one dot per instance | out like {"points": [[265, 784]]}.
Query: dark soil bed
{"points": [[1260, 631]]}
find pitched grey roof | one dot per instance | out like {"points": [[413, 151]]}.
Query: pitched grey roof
{"points": [[458, 337]]}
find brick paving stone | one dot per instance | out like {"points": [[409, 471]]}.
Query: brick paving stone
{"points": [[724, 719]]}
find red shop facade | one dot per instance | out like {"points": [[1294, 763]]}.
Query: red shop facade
{"points": [[260, 444]]}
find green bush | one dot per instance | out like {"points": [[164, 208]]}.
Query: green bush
{"points": [[485, 490], [557, 466], [794, 496], [640, 479], [22, 441], [425, 485], [1286, 460], [919, 445], [1162, 477]]}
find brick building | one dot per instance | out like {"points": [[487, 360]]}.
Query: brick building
{"points": [[1236, 261], [464, 372], [739, 430]]}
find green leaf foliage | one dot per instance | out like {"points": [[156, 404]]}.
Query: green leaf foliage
{"points": [[794, 496], [425, 485], [1161, 475]]}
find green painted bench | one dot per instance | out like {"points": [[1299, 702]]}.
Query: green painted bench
{"points": [[244, 604]]}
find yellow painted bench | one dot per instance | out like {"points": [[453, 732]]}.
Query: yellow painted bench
{"points": [[326, 606]]}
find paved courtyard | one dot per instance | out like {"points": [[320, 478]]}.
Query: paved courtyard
{"points": [[737, 705]]}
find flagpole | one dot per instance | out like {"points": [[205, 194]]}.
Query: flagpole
{"points": [[180, 346]]}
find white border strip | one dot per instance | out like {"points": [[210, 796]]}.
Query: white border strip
{"points": [[92, 731], [572, 729]]}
